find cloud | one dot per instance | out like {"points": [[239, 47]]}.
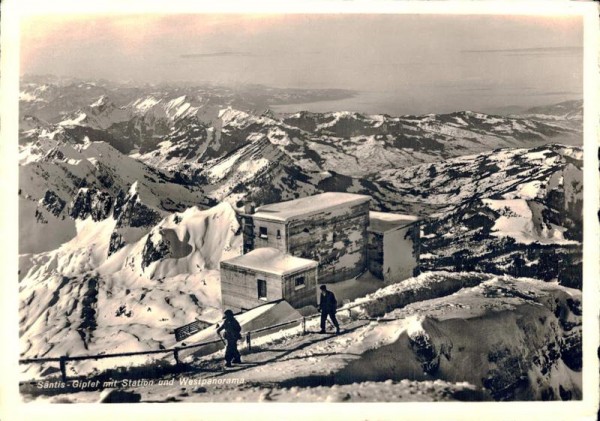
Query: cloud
{"points": [[529, 51], [531, 94], [216, 54], [556, 93]]}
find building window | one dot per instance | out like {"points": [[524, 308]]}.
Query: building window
{"points": [[278, 234], [299, 282], [262, 232], [262, 289]]}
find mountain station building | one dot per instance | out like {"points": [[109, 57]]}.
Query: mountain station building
{"points": [[326, 238]]}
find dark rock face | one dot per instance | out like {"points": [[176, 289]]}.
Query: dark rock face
{"points": [[116, 243], [133, 213], [122, 311], [425, 353], [145, 131], [77, 134], [571, 350], [53, 203], [91, 202], [507, 375], [153, 252], [88, 310]]}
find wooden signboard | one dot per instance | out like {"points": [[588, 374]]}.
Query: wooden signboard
{"points": [[189, 329]]}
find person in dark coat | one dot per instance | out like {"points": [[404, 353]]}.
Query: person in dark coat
{"points": [[327, 307], [232, 334]]}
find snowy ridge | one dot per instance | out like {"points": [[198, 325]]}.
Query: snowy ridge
{"points": [[183, 146], [514, 211], [100, 115], [52, 174], [571, 111], [517, 221], [140, 293], [143, 105]]}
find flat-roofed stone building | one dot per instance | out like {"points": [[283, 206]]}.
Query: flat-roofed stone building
{"points": [[393, 250], [266, 275], [330, 228]]}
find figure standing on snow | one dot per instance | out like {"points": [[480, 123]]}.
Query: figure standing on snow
{"points": [[327, 307], [232, 334]]}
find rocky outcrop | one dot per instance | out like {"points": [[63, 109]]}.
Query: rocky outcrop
{"points": [[89, 304], [91, 202], [154, 251], [516, 339], [130, 211], [53, 203], [116, 243]]}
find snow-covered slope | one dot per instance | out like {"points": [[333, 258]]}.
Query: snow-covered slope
{"points": [[464, 198], [512, 339], [355, 144], [77, 299], [505, 211], [564, 114], [512, 211], [457, 336], [61, 182], [100, 115], [516, 338]]}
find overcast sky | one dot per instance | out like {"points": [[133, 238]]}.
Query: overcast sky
{"points": [[420, 63]]}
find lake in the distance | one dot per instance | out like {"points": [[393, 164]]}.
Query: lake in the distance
{"points": [[421, 100], [391, 103]]}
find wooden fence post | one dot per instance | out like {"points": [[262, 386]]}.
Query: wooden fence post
{"points": [[248, 341], [304, 325], [176, 355], [63, 368]]}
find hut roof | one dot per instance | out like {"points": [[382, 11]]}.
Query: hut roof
{"points": [[298, 208], [271, 260], [384, 221]]}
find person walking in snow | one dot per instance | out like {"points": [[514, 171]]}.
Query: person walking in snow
{"points": [[232, 334], [327, 307]]}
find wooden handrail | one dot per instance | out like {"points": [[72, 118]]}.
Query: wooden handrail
{"points": [[168, 350], [175, 350]]}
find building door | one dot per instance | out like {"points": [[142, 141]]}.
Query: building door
{"points": [[262, 289]]}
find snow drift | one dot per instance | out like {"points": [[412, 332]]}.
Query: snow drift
{"points": [[511, 338]]}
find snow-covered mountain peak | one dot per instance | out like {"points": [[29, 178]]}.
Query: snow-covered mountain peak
{"points": [[102, 102], [99, 115], [75, 119], [180, 107], [144, 104], [241, 119], [133, 190]]}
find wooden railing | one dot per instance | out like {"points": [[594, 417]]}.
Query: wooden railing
{"points": [[63, 360]]}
